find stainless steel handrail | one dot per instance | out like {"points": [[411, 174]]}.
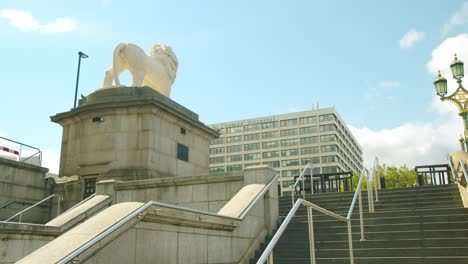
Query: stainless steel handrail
{"points": [[137, 212], [267, 254], [21, 146], [462, 165], [301, 177], [20, 214], [80, 203], [7, 203], [259, 195]]}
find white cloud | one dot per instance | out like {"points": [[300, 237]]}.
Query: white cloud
{"points": [[389, 84], [410, 38], [25, 22], [442, 56], [459, 18]]}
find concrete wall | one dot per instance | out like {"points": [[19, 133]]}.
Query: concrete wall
{"points": [[24, 183], [136, 139], [462, 184], [206, 192]]}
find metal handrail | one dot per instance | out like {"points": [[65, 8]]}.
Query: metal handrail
{"points": [[462, 164], [137, 212], [20, 213], [21, 146], [301, 177], [268, 252], [7, 203], [78, 204]]}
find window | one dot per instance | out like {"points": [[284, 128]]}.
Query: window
{"points": [[237, 167], [274, 164], [309, 150], [328, 159], [234, 148], [308, 130], [271, 124], [270, 154], [182, 152], [234, 158], [252, 156], [326, 138], [253, 146], [328, 117], [311, 160], [216, 160], [308, 120], [329, 127], [271, 134], [289, 173], [233, 139], [270, 144], [90, 186], [288, 122], [289, 152], [289, 142], [252, 127], [216, 150], [249, 137], [235, 129], [287, 183], [288, 132], [309, 140], [217, 141], [331, 169], [288, 163], [219, 169], [329, 148], [252, 164]]}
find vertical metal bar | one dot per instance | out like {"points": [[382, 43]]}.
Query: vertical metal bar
{"points": [[361, 216], [270, 258], [292, 195], [310, 220], [20, 216], [350, 242], [377, 185], [21, 150], [77, 79], [58, 204], [303, 188]]}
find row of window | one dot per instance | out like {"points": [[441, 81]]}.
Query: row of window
{"points": [[275, 144], [277, 154], [282, 123], [284, 173]]}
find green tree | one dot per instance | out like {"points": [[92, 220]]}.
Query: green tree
{"points": [[395, 177]]}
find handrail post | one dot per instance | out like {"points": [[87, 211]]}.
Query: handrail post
{"points": [[310, 221], [292, 195], [303, 188], [270, 258], [350, 242], [58, 204], [376, 185], [361, 216]]}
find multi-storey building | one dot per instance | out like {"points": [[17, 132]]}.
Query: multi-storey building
{"points": [[287, 143]]}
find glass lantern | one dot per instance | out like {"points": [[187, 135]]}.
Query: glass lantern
{"points": [[440, 85]]}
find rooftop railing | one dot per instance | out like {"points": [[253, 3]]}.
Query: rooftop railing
{"points": [[22, 152]]}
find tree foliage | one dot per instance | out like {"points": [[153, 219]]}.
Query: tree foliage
{"points": [[395, 177]]}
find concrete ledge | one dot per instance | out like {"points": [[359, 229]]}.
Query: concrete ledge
{"points": [[178, 181], [22, 165], [30, 229]]}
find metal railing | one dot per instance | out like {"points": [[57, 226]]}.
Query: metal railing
{"points": [[267, 255], [330, 182], [302, 178], [37, 152], [463, 167], [452, 168], [74, 255], [20, 213]]}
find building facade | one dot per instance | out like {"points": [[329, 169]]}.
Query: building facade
{"points": [[287, 143]]}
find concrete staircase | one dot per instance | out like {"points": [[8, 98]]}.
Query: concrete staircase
{"points": [[410, 225]]}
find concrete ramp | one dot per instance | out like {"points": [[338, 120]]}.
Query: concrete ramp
{"points": [[65, 244]]}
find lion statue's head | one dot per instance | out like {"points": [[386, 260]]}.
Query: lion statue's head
{"points": [[159, 51]]}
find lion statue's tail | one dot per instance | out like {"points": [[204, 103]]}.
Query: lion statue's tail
{"points": [[117, 61]]}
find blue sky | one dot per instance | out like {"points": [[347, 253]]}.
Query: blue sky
{"points": [[373, 60]]}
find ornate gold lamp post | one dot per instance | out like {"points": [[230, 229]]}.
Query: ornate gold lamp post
{"points": [[459, 97]]}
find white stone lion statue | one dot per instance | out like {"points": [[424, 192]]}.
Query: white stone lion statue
{"points": [[157, 69]]}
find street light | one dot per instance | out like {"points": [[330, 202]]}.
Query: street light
{"points": [[84, 56], [459, 97]]}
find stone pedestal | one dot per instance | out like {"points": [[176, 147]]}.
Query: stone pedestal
{"points": [[132, 133]]}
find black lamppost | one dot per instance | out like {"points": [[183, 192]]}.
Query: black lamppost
{"points": [[84, 56]]}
